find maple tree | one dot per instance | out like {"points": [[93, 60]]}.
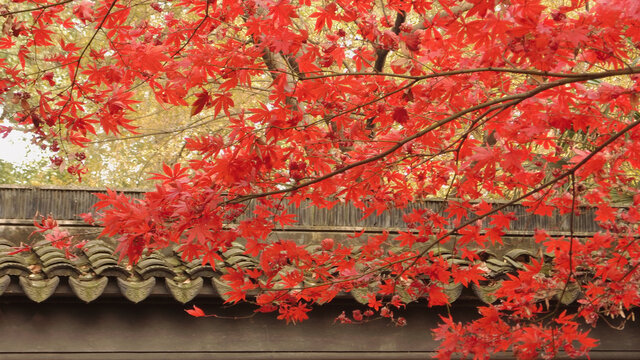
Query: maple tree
{"points": [[370, 103]]}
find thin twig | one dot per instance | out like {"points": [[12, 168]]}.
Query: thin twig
{"points": [[77, 69], [36, 8]]}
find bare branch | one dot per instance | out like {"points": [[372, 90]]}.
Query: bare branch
{"points": [[457, 72], [36, 8]]}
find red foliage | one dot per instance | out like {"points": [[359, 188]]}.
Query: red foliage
{"points": [[196, 312], [521, 101]]}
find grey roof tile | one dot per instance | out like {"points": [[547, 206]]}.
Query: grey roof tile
{"points": [[13, 268], [221, 288], [4, 282], [88, 290], [39, 290], [184, 291], [136, 290], [161, 270], [112, 270], [61, 269], [485, 292]]}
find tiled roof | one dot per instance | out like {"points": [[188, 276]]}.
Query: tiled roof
{"points": [[41, 271]]}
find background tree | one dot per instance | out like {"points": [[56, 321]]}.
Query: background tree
{"points": [[371, 103]]}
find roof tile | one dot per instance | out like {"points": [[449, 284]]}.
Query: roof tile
{"points": [[186, 290], [88, 274], [135, 290], [10, 267], [39, 290], [88, 290], [4, 282]]}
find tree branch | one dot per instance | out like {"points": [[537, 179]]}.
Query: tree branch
{"points": [[36, 8], [453, 231], [84, 50], [206, 16], [511, 100], [457, 72], [381, 54]]}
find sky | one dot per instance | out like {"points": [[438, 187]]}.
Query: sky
{"points": [[17, 149]]}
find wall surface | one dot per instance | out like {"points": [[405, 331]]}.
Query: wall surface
{"points": [[65, 204], [156, 329]]}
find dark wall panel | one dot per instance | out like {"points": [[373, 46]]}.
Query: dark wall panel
{"points": [[162, 330]]}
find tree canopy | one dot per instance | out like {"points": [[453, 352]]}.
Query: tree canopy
{"points": [[377, 104]]}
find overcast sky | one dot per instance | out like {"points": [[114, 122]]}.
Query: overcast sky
{"points": [[17, 148]]}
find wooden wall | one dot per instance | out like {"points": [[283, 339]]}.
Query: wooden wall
{"points": [[66, 203]]}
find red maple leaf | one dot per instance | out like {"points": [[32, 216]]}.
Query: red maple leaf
{"points": [[606, 213], [84, 11], [196, 312]]}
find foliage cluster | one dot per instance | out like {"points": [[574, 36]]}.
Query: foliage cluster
{"points": [[371, 103]]}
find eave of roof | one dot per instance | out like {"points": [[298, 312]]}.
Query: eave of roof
{"points": [[42, 271]]}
